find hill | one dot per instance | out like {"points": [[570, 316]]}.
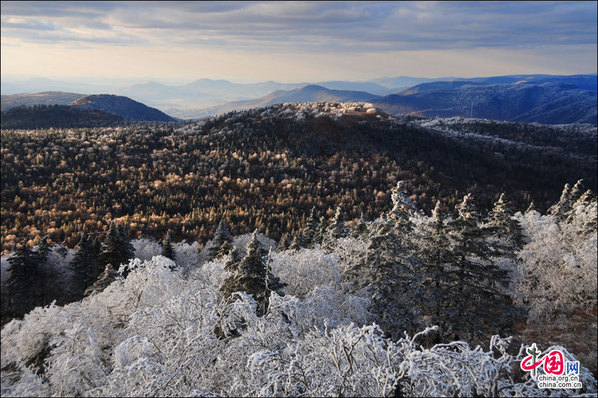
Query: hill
{"points": [[43, 98], [57, 116], [541, 99], [267, 167], [121, 106], [309, 93]]}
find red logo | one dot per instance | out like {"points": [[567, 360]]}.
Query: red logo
{"points": [[554, 362]]}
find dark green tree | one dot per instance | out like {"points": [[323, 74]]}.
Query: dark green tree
{"points": [[26, 282], [167, 249], [221, 236], [117, 248], [311, 228], [84, 266], [475, 304], [501, 223], [253, 276]]}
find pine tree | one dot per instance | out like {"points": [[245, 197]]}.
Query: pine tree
{"points": [[84, 266], [360, 228], [564, 205], [109, 275], [402, 205], [26, 280], [500, 222], [311, 228], [530, 208], [232, 264], [283, 243], [474, 303], [167, 249], [221, 236], [117, 248], [126, 248], [392, 285], [43, 248], [320, 231], [253, 276], [337, 229], [298, 241]]}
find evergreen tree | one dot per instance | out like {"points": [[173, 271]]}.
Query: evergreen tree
{"points": [[298, 241], [531, 207], [117, 248], [320, 231], [167, 249], [501, 222], [337, 229], [221, 236], [392, 284], [434, 252], [84, 266], [474, 303], [252, 275], [43, 248], [311, 228], [564, 205], [402, 205], [127, 249], [232, 264], [26, 280], [360, 228], [283, 243], [109, 275]]}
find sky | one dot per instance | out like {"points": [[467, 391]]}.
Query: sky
{"points": [[295, 41]]}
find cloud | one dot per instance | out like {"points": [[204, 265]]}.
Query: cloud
{"points": [[308, 26]]}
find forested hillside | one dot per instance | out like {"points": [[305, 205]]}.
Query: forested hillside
{"points": [[266, 168], [401, 305]]}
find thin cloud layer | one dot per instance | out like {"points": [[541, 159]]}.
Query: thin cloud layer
{"points": [[313, 26], [298, 40]]}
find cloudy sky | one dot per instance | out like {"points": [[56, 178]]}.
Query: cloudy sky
{"points": [[296, 41]]}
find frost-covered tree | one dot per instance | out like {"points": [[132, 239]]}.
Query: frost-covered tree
{"points": [[501, 223], [253, 276], [360, 228], [221, 236], [298, 241], [310, 229], [435, 254], [564, 205], [26, 282], [476, 302], [557, 282], [283, 243], [84, 265], [337, 229], [117, 248], [402, 206], [43, 248], [321, 231], [109, 275], [167, 249]]}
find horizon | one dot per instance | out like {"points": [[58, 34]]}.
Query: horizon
{"points": [[249, 42]]}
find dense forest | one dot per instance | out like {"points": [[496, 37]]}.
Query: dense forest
{"points": [[405, 304], [266, 168], [57, 116]]}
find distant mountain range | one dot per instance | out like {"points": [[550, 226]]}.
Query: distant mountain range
{"points": [[86, 111], [43, 98], [531, 98], [121, 106], [310, 93], [543, 100]]}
